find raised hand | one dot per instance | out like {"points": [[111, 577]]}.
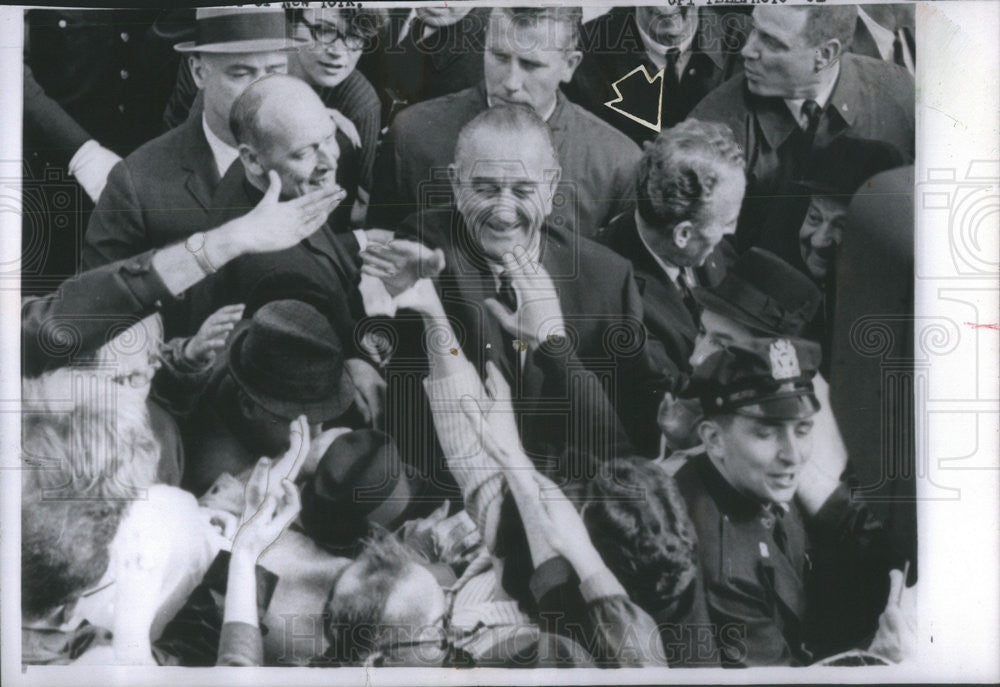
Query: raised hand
{"points": [[896, 638], [262, 525], [369, 390], [401, 263], [275, 224], [539, 314], [213, 333]]}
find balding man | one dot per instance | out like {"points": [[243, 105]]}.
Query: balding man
{"points": [[529, 53], [800, 95], [504, 177], [162, 193]]}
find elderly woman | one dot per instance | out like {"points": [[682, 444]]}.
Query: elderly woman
{"points": [[336, 39]]}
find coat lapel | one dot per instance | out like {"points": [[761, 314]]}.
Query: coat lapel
{"points": [[198, 162]]}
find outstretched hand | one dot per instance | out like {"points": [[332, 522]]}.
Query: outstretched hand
{"points": [[277, 224], [213, 333], [264, 519], [400, 263], [896, 638], [539, 314]]}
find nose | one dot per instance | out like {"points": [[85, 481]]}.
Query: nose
{"points": [[513, 78], [327, 156], [505, 209], [749, 51], [827, 235], [789, 447]]}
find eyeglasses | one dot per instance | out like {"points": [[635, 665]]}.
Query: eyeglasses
{"points": [[328, 34]]}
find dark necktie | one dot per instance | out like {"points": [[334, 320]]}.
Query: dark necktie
{"points": [[511, 347], [689, 301], [813, 113], [778, 533], [670, 79], [417, 27], [506, 293]]}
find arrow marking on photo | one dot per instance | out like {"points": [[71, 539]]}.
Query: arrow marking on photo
{"points": [[613, 104]]}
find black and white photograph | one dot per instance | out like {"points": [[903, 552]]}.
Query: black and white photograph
{"points": [[654, 344]]}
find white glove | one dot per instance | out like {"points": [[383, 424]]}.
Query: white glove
{"points": [[91, 165]]}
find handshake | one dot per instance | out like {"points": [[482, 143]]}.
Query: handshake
{"points": [[406, 267]]}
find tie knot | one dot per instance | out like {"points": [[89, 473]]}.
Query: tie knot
{"points": [[811, 111]]}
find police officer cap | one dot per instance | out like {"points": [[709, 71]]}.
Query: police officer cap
{"points": [[764, 378]]}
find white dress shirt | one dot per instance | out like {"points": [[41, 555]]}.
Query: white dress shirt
{"points": [[658, 52], [225, 155]]}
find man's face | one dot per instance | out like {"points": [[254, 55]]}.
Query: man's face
{"points": [[777, 60], [503, 189], [333, 53], [223, 77], [443, 16], [718, 217], [299, 141], [667, 25], [524, 63], [821, 233], [717, 332], [764, 458]]}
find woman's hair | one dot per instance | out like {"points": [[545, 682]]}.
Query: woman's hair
{"points": [[638, 522]]}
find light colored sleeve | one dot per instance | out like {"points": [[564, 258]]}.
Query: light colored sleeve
{"points": [[478, 475]]}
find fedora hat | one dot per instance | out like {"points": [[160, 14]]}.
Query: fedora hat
{"points": [[240, 30], [360, 481], [765, 293], [288, 359]]}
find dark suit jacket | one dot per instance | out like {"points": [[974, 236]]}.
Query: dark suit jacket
{"points": [[786, 607], [667, 318], [601, 308], [872, 101], [613, 47], [158, 195], [408, 72], [598, 162]]}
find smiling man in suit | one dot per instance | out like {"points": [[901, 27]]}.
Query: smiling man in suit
{"points": [[689, 191], [162, 192]]}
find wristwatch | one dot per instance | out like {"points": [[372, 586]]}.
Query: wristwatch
{"points": [[196, 244]]}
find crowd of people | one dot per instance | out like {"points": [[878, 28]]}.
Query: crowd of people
{"points": [[388, 344]]}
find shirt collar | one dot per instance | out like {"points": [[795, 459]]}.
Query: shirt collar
{"points": [[883, 37], [822, 98], [223, 153], [658, 52]]}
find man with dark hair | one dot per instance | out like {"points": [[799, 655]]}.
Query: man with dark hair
{"points": [[162, 192], [774, 542], [530, 52], [689, 192], [696, 47], [800, 94]]}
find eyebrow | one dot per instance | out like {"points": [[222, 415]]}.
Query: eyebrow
{"points": [[768, 36]]}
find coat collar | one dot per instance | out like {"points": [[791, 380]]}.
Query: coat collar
{"points": [[707, 40]]}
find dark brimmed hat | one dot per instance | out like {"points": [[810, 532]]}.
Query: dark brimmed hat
{"points": [[240, 30], [360, 481], [763, 378], [288, 359], [838, 171], [765, 293]]}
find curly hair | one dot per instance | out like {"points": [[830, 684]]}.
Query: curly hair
{"points": [[679, 170], [638, 522], [65, 545]]}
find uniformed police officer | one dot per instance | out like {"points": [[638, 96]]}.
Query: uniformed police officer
{"points": [[790, 575]]}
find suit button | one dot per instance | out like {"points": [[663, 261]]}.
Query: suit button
{"points": [[125, 36], [62, 23], [121, 108], [124, 74]]}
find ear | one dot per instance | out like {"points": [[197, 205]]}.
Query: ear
{"points": [[248, 408], [573, 58], [199, 70], [251, 160], [453, 178], [828, 53], [682, 233], [711, 437]]}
